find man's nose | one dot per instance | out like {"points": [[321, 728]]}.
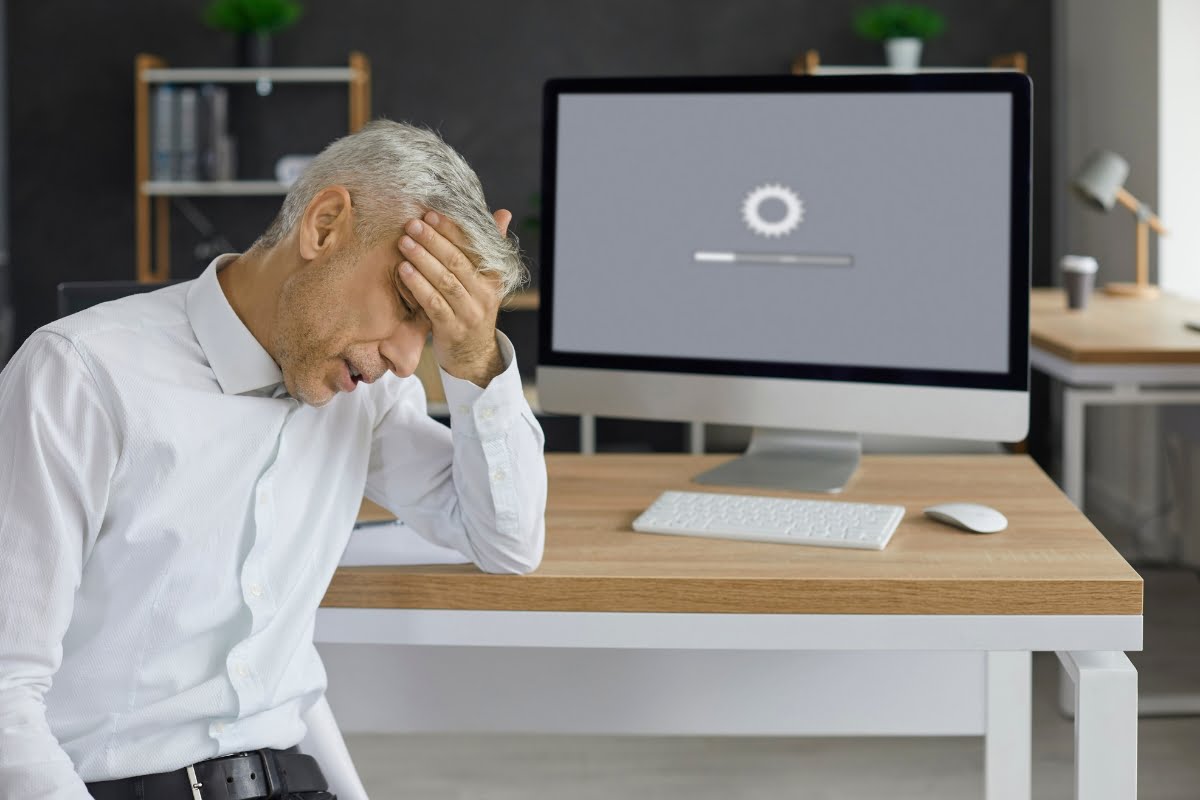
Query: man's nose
{"points": [[403, 349]]}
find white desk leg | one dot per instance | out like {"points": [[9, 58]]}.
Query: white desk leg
{"points": [[1072, 445], [1106, 720], [1008, 737], [587, 434], [1066, 693]]}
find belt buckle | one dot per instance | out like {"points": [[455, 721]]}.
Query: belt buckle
{"points": [[194, 782]]}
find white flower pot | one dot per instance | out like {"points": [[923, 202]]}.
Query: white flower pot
{"points": [[903, 54]]}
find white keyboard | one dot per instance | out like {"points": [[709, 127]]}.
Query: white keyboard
{"points": [[771, 519]]}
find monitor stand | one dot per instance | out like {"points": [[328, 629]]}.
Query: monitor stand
{"points": [[802, 461]]}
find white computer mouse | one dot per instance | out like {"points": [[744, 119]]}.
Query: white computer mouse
{"points": [[969, 516]]}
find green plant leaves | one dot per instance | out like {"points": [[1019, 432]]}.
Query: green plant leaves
{"points": [[251, 16], [898, 20]]}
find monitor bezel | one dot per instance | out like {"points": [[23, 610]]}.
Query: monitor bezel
{"points": [[1016, 85]]}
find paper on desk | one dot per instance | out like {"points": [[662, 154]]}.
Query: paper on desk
{"points": [[394, 544]]}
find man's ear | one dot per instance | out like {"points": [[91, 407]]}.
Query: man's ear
{"points": [[503, 217], [326, 223]]}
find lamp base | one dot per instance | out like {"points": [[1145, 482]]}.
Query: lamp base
{"points": [[1132, 290]]}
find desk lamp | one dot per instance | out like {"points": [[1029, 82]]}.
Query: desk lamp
{"points": [[1101, 183]]}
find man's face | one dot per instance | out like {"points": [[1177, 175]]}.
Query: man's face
{"points": [[348, 313]]}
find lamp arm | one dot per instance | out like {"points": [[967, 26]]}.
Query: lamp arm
{"points": [[1141, 211], [1155, 223]]}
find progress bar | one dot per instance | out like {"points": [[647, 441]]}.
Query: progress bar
{"points": [[804, 259]]}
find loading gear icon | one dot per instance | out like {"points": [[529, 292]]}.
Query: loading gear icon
{"points": [[793, 213]]}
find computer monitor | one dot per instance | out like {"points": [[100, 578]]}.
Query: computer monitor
{"points": [[75, 296], [817, 257]]}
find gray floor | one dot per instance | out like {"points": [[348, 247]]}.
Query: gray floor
{"points": [[531, 767]]}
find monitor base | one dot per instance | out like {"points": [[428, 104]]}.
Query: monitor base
{"points": [[796, 460]]}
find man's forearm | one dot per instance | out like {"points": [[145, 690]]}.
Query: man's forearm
{"points": [[482, 369], [32, 763]]}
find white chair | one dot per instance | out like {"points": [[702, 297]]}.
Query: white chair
{"points": [[324, 742]]}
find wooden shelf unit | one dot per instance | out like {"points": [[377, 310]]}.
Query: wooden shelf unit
{"points": [[213, 188], [250, 75], [524, 300], [152, 198], [809, 63]]}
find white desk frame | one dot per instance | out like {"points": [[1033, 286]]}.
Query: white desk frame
{"points": [[1091, 648], [1084, 385]]}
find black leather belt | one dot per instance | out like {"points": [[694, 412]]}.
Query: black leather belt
{"points": [[241, 776]]}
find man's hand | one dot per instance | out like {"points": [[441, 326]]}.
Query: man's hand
{"points": [[460, 302]]}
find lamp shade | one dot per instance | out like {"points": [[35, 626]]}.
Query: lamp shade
{"points": [[1100, 177]]}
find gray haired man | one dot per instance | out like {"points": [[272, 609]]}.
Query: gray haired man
{"points": [[181, 470]]}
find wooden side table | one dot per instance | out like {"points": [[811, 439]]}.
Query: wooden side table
{"points": [[1117, 351]]}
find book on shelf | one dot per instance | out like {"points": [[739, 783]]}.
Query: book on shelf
{"points": [[162, 137], [190, 138], [215, 143], [189, 157]]}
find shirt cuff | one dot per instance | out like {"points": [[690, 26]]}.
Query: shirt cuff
{"points": [[490, 411]]}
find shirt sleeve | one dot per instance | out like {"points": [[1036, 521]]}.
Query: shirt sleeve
{"points": [[478, 487], [58, 454]]}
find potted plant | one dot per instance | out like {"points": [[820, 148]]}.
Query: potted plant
{"points": [[902, 27], [253, 22]]}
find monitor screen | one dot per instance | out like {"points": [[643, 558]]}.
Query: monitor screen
{"points": [[847, 229]]}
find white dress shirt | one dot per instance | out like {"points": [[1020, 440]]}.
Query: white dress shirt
{"points": [[170, 519]]}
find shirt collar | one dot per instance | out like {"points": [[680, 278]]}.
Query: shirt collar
{"points": [[238, 361]]}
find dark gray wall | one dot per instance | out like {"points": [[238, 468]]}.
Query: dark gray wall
{"points": [[473, 70], [7, 319]]}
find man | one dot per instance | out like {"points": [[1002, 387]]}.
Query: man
{"points": [[180, 472]]}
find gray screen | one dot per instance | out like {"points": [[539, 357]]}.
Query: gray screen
{"points": [[856, 229]]}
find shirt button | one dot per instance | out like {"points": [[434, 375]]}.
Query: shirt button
{"points": [[262, 498], [218, 727], [487, 413], [498, 475], [242, 670], [464, 409], [256, 589]]}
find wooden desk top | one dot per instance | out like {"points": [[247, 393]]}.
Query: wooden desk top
{"points": [[1049, 561], [1115, 330]]}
